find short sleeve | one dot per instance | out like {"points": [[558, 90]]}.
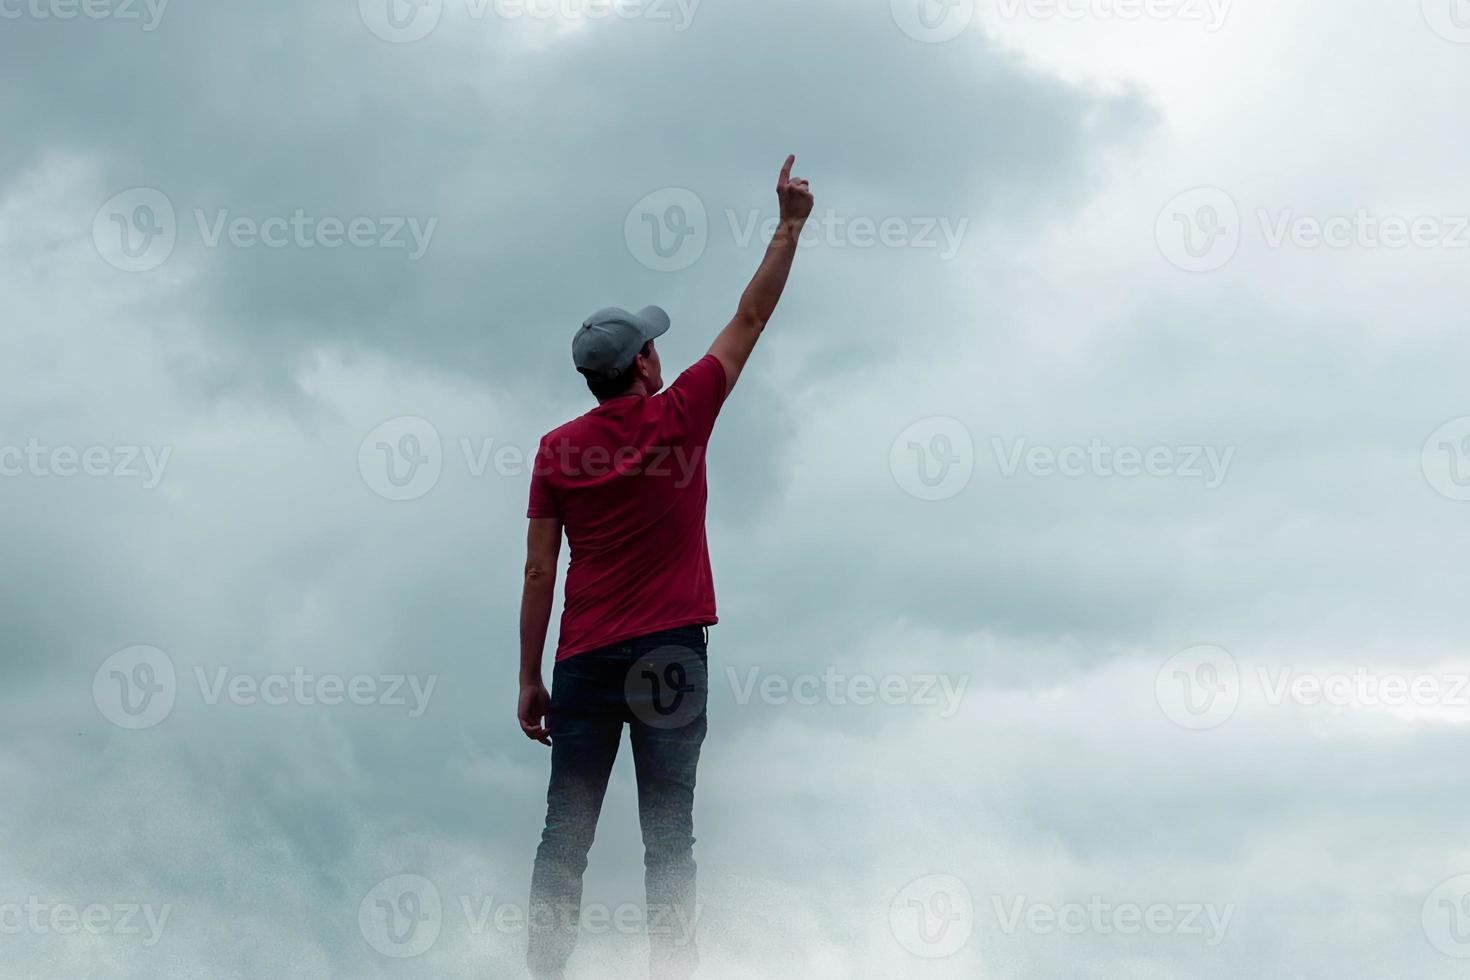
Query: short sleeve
{"points": [[698, 394], [543, 499]]}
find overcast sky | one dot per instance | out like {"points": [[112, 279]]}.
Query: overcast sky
{"points": [[1089, 529]]}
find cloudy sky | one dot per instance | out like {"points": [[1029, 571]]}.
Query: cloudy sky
{"points": [[1087, 530]]}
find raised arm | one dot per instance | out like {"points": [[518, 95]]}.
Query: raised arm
{"points": [[734, 344], [543, 546]]}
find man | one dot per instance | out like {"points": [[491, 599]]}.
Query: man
{"points": [[626, 482]]}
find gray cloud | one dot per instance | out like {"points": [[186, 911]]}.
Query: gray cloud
{"points": [[263, 551]]}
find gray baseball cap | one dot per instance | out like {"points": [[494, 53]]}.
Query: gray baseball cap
{"points": [[609, 340]]}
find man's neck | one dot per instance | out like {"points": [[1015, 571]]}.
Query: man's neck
{"points": [[639, 389]]}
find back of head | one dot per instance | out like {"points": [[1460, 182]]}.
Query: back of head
{"points": [[604, 388]]}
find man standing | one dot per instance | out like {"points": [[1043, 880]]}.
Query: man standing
{"points": [[626, 482]]}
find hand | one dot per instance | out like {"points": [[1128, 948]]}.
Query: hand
{"points": [[795, 195], [534, 710]]}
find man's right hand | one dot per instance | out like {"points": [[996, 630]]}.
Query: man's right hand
{"points": [[795, 194], [533, 710], [733, 346]]}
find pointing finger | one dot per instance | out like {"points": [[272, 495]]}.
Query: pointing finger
{"points": [[786, 169]]}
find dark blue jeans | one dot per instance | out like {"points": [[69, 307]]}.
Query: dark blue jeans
{"points": [[658, 686]]}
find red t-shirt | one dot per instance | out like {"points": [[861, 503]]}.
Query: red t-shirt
{"points": [[627, 482]]}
